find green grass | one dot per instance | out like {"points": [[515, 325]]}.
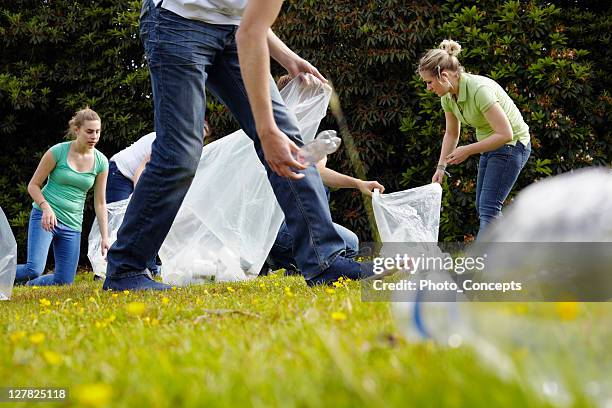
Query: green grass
{"points": [[268, 342]]}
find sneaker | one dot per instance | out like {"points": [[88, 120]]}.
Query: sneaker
{"points": [[138, 282], [343, 267]]}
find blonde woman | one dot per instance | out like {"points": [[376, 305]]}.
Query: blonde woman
{"points": [[502, 135], [70, 169]]}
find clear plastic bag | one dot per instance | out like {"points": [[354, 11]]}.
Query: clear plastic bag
{"points": [[409, 216], [116, 211], [8, 258], [229, 219]]}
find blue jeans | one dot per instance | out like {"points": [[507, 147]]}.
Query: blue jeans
{"points": [[118, 188], [66, 250], [184, 56], [281, 254], [497, 173]]}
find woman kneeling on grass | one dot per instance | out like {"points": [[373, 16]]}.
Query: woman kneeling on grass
{"points": [[502, 134], [72, 168]]}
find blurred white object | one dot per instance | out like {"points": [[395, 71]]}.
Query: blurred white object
{"points": [[8, 258], [116, 211], [557, 348], [229, 219]]}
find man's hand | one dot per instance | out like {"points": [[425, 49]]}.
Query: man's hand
{"points": [[366, 187], [300, 65], [279, 152]]}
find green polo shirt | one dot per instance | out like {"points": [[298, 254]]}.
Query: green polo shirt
{"points": [[476, 95], [66, 189]]}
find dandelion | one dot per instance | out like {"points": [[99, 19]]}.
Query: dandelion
{"points": [[330, 291], [37, 338], [136, 308], [17, 336], [52, 357], [262, 285], [230, 289], [338, 316], [92, 300], [288, 291], [567, 310], [126, 292], [174, 288], [44, 302], [165, 300], [337, 284], [115, 295], [57, 303], [93, 395]]}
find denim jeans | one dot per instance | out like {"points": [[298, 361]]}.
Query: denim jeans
{"points": [[497, 173], [281, 254], [118, 188], [184, 56], [66, 250]]}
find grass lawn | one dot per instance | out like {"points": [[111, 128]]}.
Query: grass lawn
{"points": [[266, 342]]}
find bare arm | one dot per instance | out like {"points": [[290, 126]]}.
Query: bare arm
{"points": [[100, 209], [292, 62], [449, 143], [45, 167], [335, 179], [502, 135], [140, 169], [254, 55]]}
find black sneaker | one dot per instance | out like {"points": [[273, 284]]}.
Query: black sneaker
{"points": [[343, 267]]}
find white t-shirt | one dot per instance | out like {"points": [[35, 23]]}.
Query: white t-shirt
{"points": [[209, 11], [130, 158]]}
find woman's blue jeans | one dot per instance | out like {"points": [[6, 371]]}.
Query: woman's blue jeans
{"points": [[66, 251], [185, 57], [498, 170]]}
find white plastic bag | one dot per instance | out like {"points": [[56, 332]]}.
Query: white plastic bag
{"points": [[409, 216], [8, 258], [116, 211], [229, 219]]}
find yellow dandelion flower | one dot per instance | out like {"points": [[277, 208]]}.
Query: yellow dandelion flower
{"points": [[165, 300], [98, 325], [37, 338], [17, 336], [337, 284], [111, 318], [44, 302], [288, 291], [92, 300], [262, 285], [330, 291], [174, 288], [52, 357], [338, 316], [35, 287], [567, 310], [17, 317], [230, 289], [57, 303], [136, 308], [93, 395], [126, 292], [199, 301], [115, 295]]}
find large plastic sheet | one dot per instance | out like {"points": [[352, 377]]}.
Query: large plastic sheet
{"points": [[116, 211], [229, 219], [409, 216], [8, 258]]}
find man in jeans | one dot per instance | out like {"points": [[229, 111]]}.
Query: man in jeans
{"points": [[193, 44]]}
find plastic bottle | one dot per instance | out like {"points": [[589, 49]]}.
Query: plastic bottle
{"points": [[325, 143]]}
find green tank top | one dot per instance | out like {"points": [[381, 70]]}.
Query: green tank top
{"points": [[66, 189]]}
